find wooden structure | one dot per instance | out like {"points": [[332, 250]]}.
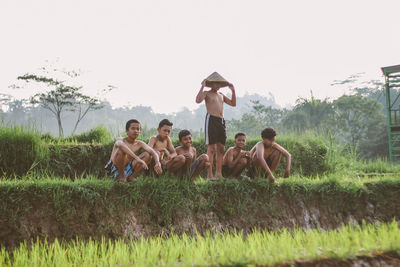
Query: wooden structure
{"points": [[392, 83]]}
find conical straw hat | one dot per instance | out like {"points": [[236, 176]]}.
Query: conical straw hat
{"points": [[216, 78]]}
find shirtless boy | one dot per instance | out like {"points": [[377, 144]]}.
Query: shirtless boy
{"points": [[124, 163], [215, 132], [162, 144], [266, 154], [236, 159], [192, 166]]}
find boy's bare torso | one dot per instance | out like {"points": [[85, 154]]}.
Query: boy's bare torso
{"points": [[159, 145], [235, 153], [215, 103], [267, 150], [135, 147], [180, 150]]}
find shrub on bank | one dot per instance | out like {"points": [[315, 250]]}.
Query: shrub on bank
{"points": [[20, 150]]}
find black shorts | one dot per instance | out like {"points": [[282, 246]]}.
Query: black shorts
{"points": [[214, 129], [252, 171], [226, 171]]}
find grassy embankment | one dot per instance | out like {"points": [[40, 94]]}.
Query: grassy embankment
{"points": [[258, 248]]}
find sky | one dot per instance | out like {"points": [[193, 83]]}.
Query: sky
{"points": [[156, 53]]}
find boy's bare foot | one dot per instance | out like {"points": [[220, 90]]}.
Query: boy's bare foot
{"points": [[212, 179], [121, 179], [219, 175], [131, 178]]}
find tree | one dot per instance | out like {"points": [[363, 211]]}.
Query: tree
{"points": [[361, 123], [309, 114], [62, 97]]}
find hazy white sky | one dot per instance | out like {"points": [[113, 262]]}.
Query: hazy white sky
{"points": [[158, 52]]}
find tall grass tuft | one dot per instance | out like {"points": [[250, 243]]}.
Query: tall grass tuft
{"points": [[21, 150]]}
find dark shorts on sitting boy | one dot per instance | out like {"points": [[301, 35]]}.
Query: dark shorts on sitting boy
{"points": [[252, 171], [215, 131], [193, 167], [226, 171], [112, 170]]}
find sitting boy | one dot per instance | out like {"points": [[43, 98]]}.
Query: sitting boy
{"points": [[192, 166], [162, 144], [124, 163], [235, 159], [266, 154]]}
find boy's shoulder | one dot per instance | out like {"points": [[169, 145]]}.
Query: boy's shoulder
{"points": [[178, 149], [229, 150], [258, 144]]}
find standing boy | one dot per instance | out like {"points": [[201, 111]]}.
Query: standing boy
{"points": [[192, 166], [124, 163], [236, 159], [162, 144], [266, 154], [215, 132]]}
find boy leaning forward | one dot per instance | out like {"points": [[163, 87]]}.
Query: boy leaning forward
{"points": [[215, 132]]}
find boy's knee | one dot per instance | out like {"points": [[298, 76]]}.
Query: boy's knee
{"points": [[203, 158], [189, 157], [180, 158], [119, 153], [220, 148], [145, 156]]}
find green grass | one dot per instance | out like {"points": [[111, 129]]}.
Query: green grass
{"points": [[228, 249]]}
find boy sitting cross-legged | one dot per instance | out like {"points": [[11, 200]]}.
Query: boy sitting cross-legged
{"points": [[124, 163], [235, 159], [192, 166], [266, 154], [162, 144]]}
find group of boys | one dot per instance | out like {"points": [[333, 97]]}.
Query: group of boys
{"points": [[159, 155]]}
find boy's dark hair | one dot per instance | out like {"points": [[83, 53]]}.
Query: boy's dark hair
{"points": [[183, 133], [240, 134], [268, 133], [128, 123], [164, 122]]}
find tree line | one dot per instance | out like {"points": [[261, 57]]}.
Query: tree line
{"points": [[356, 120]]}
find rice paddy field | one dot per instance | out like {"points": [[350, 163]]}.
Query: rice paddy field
{"points": [[59, 210], [259, 248]]}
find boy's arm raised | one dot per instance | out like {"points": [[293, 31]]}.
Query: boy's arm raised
{"points": [[232, 101], [201, 95], [153, 153], [288, 157]]}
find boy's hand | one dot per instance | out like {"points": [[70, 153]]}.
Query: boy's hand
{"points": [[188, 155], [246, 154], [286, 174], [166, 152], [231, 87], [144, 165], [203, 83], [157, 168], [271, 178]]}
